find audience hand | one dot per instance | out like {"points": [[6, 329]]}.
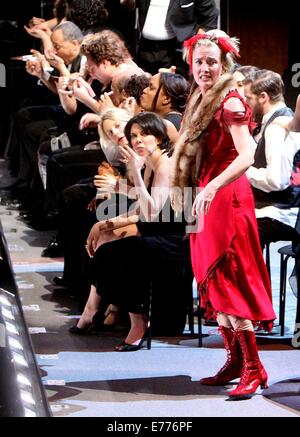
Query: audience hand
{"points": [[63, 85], [96, 237], [92, 206], [34, 68], [132, 160], [172, 69], [129, 105], [39, 31], [89, 120], [105, 102], [35, 21], [86, 85], [56, 62], [106, 183]]}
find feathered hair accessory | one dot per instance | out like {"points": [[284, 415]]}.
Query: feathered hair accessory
{"points": [[225, 43]]}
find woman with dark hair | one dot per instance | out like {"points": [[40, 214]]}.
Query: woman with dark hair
{"points": [[134, 88], [127, 248], [166, 95]]}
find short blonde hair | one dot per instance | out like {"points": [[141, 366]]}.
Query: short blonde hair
{"points": [[113, 114]]}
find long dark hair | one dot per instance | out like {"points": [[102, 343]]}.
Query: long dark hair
{"points": [[175, 87], [151, 124]]}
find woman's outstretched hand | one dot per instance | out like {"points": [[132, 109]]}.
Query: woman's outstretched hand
{"points": [[203, 200]]}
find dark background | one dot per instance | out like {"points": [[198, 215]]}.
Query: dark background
{"points": [[14, 41]]}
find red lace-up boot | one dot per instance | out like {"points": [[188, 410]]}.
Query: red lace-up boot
{"points": [[233, 366], [253, 373]]}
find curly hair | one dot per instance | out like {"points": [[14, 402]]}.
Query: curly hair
{"points": [[87, 14], [135, 85], [105, 45]]}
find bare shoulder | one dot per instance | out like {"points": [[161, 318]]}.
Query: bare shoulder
{"points": [[234, 104]]}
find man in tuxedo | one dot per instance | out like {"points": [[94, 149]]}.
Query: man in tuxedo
{"points": [[165, 24]]}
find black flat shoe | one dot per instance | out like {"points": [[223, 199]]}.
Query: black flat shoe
{"points": [[78, 331], [89, 330], [126, 347], [93, 328], [53, 250], [60, 281]]}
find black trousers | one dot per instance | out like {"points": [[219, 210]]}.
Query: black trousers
{"points": [[66, 167], [30, 128], [128, 270], [75, 224], [271, 230], [152, 55]]}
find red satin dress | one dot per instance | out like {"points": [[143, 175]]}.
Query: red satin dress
{"points": [[226, 254]]}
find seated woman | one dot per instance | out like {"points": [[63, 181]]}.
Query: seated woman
{"points": [[75, 217], [127, 249], [166, 95]]}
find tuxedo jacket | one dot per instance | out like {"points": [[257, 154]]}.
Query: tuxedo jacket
{"points": [[185, 16]]}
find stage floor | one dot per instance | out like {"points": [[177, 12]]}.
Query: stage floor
{"points": [[85, 377]]}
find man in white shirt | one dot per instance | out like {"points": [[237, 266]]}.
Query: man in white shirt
{"points": [[276, 199], [165, 24]]}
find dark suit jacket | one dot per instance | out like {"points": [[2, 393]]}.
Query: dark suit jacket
{"points": [[185, 16]]}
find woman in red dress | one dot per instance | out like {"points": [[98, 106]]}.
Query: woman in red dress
{"points": [[213, 153]]}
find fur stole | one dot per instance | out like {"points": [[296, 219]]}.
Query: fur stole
{"points": [[187, 155]]}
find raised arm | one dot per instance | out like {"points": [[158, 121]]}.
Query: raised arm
{"points": [[150, 204]]}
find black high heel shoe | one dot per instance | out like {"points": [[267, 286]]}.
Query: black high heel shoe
{"points": [[126, 347], [93, 328]]}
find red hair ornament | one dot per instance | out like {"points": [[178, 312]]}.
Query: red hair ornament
{"points": [[224, 43]]}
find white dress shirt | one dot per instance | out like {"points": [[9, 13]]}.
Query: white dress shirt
{"points": [[156, 27], [280, 148]]}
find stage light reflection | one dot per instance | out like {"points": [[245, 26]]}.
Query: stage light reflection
{"points": [[19, 359], [15, 344], [26, 397], [11, 328], [23, 380], [7, 314], [22, 389]]}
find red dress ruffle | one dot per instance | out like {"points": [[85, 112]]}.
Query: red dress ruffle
{"points": [[226, 254]]}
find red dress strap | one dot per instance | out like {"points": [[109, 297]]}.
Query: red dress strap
{"points": [[229, 118]]}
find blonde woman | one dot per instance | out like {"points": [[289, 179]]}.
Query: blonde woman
{"points": [[213, 154]]}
